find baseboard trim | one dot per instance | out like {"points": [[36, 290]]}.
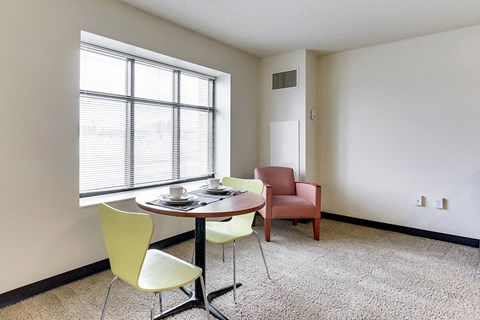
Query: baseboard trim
{"points": [[19, 294], [471, 242]]}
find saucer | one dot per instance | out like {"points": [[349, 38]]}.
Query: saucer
{"points": [[184, 199], [219, 190]]}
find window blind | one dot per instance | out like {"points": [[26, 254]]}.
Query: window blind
{"points": [[142, 123]]}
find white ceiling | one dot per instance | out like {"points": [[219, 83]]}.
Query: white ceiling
{"points": [[269, 27]]}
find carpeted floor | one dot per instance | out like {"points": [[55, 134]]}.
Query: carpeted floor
{"points": [[353, 272]]}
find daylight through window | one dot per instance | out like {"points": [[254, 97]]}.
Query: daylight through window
{"points": [[142, 123]]}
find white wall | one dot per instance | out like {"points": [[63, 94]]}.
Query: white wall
{"points": [[42, 230], [289, 104], [399, 119]]}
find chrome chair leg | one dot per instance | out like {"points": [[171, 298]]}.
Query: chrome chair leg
{"points": [[204, 291], [192, 262], [108, 296], [152, 309], [234, 276], [160, 301], [261, 250]]}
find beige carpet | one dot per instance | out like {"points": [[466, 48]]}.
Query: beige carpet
{"points": [[353, 272]]}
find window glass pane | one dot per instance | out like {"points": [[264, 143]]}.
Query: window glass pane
{"points": [[153, 144], [193, 90], [153, 82], [150, 135], [102, 73], [102, 144], [194, 149]]}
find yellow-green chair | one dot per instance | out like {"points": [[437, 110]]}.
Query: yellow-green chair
{"points": [[223, 232], [127, 237]]}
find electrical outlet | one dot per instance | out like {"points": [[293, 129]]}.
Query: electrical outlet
{"points": [[418, 200]]}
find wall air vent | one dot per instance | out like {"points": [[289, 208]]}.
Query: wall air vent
{"points": [[286, 79]]}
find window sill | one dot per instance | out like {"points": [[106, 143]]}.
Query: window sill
{"points": [[128, 195]]}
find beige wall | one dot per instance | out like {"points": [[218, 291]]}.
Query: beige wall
{"points": [[290, 104], [42, 230], [400, 119]]}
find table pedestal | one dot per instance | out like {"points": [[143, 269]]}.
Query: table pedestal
{"points": [[196, 297], [193, 302]]}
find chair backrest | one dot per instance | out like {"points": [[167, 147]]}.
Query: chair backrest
{"points": [[281, 179], [127, 237], [252, 185]]}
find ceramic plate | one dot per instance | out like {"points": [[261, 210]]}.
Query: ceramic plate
{"points": [[185, 199], [219, 190]]}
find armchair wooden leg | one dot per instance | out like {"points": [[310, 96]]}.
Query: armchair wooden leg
{"points": [[267, 223], [254, 222], [316, 229], [295, 222]]}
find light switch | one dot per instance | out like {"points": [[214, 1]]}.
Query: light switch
{"points": [[439, 203]]}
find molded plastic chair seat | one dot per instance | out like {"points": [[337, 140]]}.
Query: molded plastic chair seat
{"points": [[174, 272], [223, 232]]}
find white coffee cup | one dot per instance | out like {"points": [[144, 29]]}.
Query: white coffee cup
{"points": [[213, 183], [177, 191]]}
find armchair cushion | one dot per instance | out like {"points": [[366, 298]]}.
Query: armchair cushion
{"points": [[286, 207]]}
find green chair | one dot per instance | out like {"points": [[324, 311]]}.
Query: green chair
{"points": [[237, 227], [127, 237]]}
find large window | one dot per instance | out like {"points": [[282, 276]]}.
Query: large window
{"points": [[142, 123]]}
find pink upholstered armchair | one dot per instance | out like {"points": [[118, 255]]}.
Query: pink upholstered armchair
{"points": [[287, 199]]}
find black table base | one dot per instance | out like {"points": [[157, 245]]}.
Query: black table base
{"points": [[194, 302]]}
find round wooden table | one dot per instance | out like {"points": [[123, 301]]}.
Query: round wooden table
{"points": [[243, 203]]}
